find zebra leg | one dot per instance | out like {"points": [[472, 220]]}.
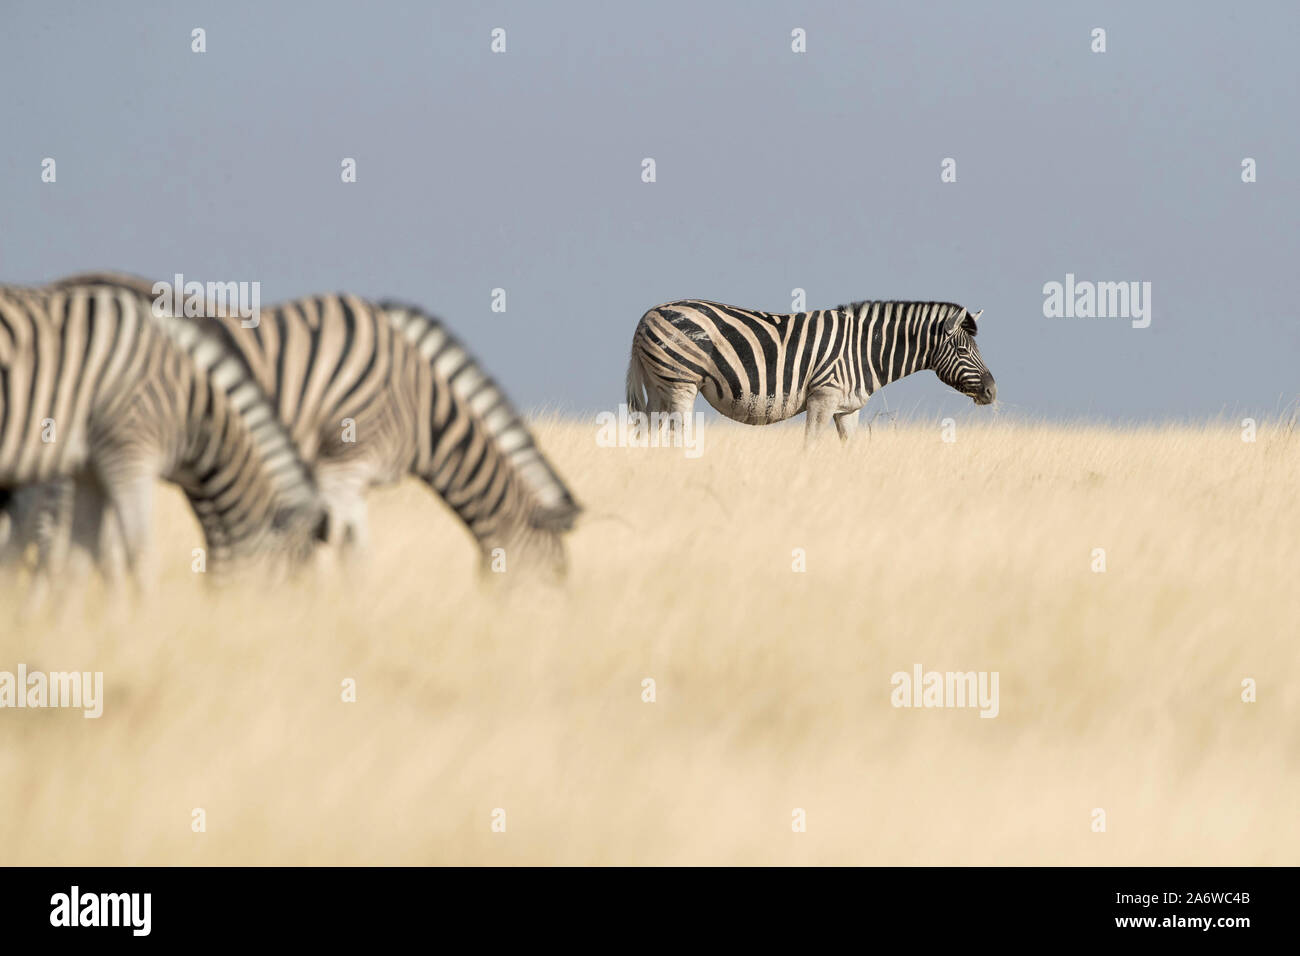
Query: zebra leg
{"points": [[111, 552], [30, 521], [68, 538], [15, 527], [846, 423], [656, 408], [673, 409], [130, 494], [343, 490], [351, 513], [38, 517], [95, 537], [54, 525], [821, 407], [50, 527], [10, 552], [97, 543]]}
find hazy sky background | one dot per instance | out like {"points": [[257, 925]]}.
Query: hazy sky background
{"points": [[775, 170]]}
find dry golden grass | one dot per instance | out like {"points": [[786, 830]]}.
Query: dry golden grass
{"points": [[1118, 690]]}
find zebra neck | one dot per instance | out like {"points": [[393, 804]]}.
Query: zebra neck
{"points": [[477, 441], [895, 348]]}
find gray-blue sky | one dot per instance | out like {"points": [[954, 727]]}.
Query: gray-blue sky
{"points": [[775, 170]]}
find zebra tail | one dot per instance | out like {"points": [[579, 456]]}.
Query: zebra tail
{"points": [[636, 387]]}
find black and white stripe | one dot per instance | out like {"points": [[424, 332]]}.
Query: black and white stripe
{"points": [[96, 388], [759, 367], [416, 403], [474, 450]]}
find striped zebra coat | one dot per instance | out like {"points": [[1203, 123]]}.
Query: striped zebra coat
{"points": [[373, 392], [759, 367], [95, 389]]}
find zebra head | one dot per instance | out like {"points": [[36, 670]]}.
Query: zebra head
{"points": [[957, 359]]}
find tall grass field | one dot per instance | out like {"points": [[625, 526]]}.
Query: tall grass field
{"points": [[715, 682]]}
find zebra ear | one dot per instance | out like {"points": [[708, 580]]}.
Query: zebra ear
{"points": [[974, 316], [961, 319]]}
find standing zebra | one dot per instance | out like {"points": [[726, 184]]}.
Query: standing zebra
{"points": [[759, 368], [96, 389], [373, 392]]}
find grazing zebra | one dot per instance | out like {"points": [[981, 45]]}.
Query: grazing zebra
{"points": [[96, 390], [758, 368], [373, 392]]}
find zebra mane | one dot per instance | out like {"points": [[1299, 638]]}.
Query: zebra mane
{"points": [[122, 280], [948, 309], [487, 405]]}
